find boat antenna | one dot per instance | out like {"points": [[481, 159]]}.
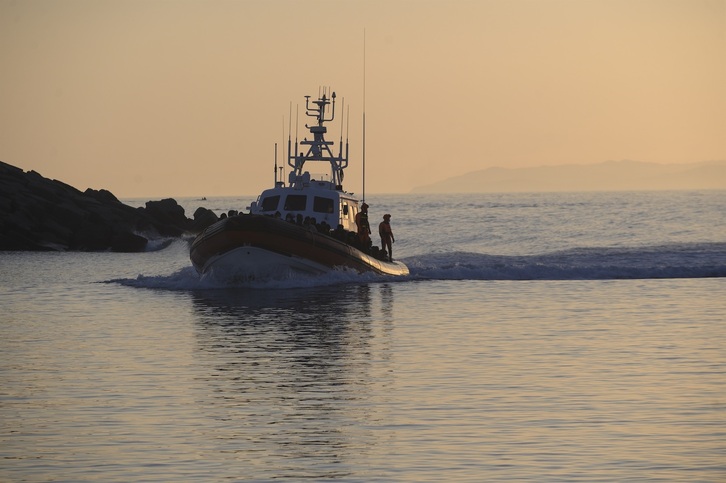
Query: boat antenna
{"points": [[297, 115], [282, 143], [275, 164], [347, 130], [347, 133], [342, 121], [364, 115], [342, 129], [289, 132]]}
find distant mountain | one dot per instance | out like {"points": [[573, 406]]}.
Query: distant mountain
{"points": [[607, 176]]}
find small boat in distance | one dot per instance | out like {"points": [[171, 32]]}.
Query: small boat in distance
{"points": [[307, 226]]}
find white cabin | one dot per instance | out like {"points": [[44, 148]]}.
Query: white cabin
{"points": [[316, 196], [308, 197]]}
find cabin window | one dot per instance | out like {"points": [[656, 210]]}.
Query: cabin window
{"points": [[345, 209], [322, 205], [270, 203], [295, 202]]}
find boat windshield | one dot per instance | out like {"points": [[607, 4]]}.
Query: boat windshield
{"points": [[270, 203], [295, 202], [322, 205]]}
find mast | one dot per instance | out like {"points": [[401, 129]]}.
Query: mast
{"points": [[364, 115], [319, 149]]}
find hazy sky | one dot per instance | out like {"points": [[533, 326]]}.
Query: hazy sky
{"points": [[187, 98]]}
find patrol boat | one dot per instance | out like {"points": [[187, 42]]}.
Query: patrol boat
{"points": [[307, 226]]}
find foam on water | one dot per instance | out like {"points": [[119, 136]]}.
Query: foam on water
{"points": [[188, 279], [675, 261]]}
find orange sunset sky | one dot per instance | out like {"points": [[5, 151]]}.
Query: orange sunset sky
{"points": [[187, 98]]}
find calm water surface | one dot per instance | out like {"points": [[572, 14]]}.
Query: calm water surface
{"points": [[122, 367]]}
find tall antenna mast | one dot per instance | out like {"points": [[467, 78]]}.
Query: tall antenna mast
{"points": [[289, 132], [282, 144], [364, 115]]}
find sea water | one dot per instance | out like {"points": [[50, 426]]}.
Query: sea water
{"points": [[539, 337]]}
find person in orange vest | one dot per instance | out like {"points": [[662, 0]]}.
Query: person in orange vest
{"points": [[387, 240], [364, 228]]}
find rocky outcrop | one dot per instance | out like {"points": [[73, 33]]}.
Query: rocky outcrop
{"points": [[203, 217], [38, 213]]}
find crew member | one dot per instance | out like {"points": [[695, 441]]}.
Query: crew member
{"points": [[387, 240], [364, 228]]}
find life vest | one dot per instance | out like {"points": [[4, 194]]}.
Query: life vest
{"points": [[384, 229], [361, 219]]}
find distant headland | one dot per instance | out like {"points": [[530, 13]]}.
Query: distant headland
{"points": [[38, 213], [607, 176]]}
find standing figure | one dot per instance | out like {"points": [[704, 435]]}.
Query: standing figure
{"points": [[387, 240], [364, 228]]}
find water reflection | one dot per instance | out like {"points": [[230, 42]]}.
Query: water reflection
{"points": [[291, 375]]}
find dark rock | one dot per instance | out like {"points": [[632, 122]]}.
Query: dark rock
{"points": [[169, 213], [38, 213], [203, 218], [166, 210], [104, 196], [90, 237], [128, 242]]}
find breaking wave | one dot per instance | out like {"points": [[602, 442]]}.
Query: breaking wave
{"points": [[188, 279], [677, 261]]}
